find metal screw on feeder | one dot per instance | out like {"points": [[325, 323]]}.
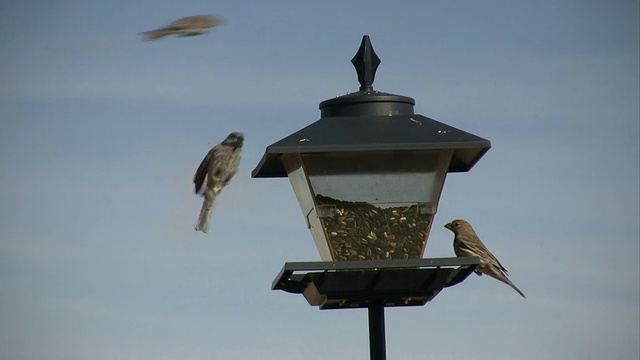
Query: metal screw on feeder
{"points": [[368, 177]]}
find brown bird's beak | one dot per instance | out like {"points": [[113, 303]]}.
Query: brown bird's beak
{"points": [[449, 226]]}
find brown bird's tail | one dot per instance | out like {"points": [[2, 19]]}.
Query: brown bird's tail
{"points": [[205, 212], [506, 280], [154, 34]]}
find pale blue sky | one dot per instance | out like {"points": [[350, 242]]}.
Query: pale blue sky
{"points": [[100, 134]]}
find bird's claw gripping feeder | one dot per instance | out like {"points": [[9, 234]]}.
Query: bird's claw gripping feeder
{"points": [[368, 176]]}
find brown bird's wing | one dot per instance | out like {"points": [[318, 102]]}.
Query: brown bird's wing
{"points": [[471, 245], [201, 173], [197, 21], [224, 165], [495, 260]]}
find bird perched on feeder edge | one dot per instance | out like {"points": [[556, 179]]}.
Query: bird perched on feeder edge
{"points": [[467, 243]]}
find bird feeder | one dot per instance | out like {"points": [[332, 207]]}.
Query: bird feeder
{"points": [[368, 175]]}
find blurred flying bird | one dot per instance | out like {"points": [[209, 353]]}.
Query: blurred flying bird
{"points": [[188, 26], [218, 167], [467, 243]]}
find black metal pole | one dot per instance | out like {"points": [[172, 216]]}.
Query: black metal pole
{"points": [[377, 347]]}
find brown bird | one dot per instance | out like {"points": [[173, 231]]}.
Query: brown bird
{"points": [[188, 26], [467, 243], [218, 168]]}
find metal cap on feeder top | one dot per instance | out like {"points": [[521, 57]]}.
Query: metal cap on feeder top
{"points": [[367, 102], [369, 120]]}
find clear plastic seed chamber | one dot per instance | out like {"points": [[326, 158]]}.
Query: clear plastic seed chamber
{"points": [[369, 206]]}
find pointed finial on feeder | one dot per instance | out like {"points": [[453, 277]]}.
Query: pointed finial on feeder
{"points": [[366, 62]]}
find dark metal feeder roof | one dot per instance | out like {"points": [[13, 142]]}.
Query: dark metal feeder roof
{"points": [[358, 284], [369, 120], [370, 133]]}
